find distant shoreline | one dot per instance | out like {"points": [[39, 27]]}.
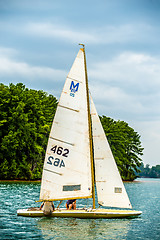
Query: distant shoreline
{"points": [[29, 181], [39, 181]]}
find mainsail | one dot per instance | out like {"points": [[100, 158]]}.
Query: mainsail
{"points": [[110, 189], [67, 167]]}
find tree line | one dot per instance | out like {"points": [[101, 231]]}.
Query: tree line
{"points": [[26, 116], [149, 172]]}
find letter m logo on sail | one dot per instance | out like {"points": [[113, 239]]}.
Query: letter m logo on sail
{"points": [[74, 88]]}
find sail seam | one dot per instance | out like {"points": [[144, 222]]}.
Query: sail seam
{"points": [[69, 108], [62, 141], [74, 79], [52, 171], [100, 181]]}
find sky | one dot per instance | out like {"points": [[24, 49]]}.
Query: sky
{"points": [[39, 42]]}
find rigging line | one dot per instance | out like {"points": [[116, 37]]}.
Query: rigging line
{"points": [[72, 144], [59, 204], [68, 108], [90, 130], [100, 181], [52, 171]]}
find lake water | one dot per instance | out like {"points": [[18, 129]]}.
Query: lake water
{"points": [[144, 195]]}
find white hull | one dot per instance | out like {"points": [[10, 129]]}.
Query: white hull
{"points": [[81, 213]]}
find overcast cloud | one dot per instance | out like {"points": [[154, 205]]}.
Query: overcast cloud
{"points": [[39, 41]]}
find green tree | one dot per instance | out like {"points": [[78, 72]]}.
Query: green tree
{"points": [[125, 145], [25, 121]]}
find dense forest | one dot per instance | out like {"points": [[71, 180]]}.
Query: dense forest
{"points": [[25, 120], [153, 172]]}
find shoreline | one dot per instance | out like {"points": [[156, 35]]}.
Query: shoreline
{"points": [[39, 181], [28, 181]]}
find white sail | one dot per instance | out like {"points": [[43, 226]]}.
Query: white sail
{"points": [[67, 170], [110, 189]]}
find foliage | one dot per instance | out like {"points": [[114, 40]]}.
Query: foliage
{"points": [[125, 145], [153, 172], [25, 121]]}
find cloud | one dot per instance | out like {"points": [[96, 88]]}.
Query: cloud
{"points": [[9, 66], [130, 66], [57, 31], [15, 71], [150, 138], [128, 83], [7, 52], [125, 33], [105, 34]]}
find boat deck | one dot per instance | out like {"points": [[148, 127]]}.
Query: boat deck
{"points": [[81, 213]]}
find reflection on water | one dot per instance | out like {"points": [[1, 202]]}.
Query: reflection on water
{"points": [[70, 228]]}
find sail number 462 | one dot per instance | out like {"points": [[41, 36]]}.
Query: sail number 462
{"points": [[60, 151]]}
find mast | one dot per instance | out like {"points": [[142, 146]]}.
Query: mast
{"points": [[90, 130]]}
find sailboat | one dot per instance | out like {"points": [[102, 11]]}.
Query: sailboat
{"points": [[78, 157]]}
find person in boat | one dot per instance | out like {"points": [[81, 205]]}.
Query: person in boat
{"points": [[71, 204], [47, 207]]}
